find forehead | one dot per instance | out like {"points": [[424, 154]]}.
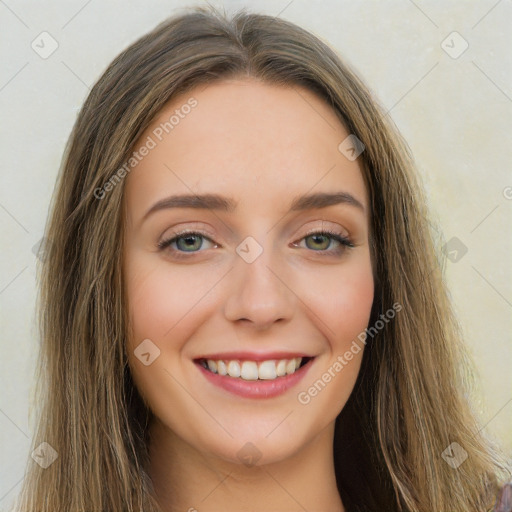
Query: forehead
{"points": [[254, 141]]}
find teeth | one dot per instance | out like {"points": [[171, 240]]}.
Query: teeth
{"points": [[290, 366], [221, 368], [281, 368], [251, 370], [234, 369], [267, 370]]}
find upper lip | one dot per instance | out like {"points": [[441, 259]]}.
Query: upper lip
{"points": [[252, 356]]}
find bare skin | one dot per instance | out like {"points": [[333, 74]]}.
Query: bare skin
{"points": [[262, 146]]}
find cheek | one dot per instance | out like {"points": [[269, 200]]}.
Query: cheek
{"points": [[351, 307], [163, 303], [340, 307], [343, 304], [341, 301], [166, 304]]}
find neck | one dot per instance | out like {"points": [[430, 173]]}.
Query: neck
{"points": [[185, 479]]}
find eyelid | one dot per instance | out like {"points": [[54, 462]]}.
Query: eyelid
{"points": [[201, 229], [167, 240], [345, 242], [333, 231]]}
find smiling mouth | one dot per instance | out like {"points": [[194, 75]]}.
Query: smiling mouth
{"points": [[273, 369]]}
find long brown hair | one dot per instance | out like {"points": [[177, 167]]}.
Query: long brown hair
{"points": [[409, 403]]}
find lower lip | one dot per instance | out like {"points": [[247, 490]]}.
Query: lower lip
{"points": [[256, 388]]}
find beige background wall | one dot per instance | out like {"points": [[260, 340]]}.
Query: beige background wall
{"points": [[453, 104]]}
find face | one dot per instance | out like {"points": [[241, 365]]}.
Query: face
{"points": [[246, 275]]}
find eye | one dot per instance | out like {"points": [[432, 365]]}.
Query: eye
{"points": [[321, 240], [186, 241], [192, 242]]}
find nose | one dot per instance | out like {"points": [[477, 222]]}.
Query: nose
{"points": [[259, 293]]}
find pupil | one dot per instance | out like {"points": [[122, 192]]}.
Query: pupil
{"points": [[318, 238], [189, 241]]}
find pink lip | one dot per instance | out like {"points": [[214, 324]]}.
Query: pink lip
{"points": [[255, 388], [251, 356]]}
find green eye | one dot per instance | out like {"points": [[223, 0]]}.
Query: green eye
{"points": [[317, 238], [190, 242], [322, 239]]}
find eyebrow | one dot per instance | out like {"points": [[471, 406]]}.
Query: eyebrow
{"points": [[226, 204]]}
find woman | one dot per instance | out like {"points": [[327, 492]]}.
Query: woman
{"points": [[253, 370]]}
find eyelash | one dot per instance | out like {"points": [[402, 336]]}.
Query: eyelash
{"points": [[345, 243]]}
